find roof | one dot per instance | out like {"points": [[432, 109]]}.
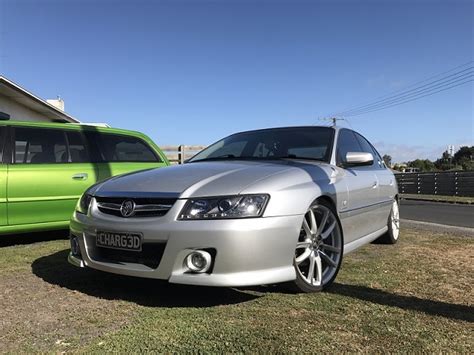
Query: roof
{"points": [[15, 92]]}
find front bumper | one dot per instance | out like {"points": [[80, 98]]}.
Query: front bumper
{"points": [[251, 251]]}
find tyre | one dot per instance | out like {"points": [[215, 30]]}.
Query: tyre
{"points": [[393, 225], [318, 253]]}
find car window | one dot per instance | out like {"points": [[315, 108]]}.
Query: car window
{"points": [[347, 142], [229, 149], [116, 148], [77, 147], [40, 146], [368, 148], [291, 142]]}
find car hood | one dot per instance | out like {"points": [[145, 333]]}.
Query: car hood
{"points": [[196, 179]]}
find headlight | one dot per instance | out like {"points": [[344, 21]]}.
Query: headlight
{"points": [[84, 203], [243, 206]]}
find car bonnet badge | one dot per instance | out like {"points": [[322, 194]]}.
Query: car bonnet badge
{"points": [[127, 209]]}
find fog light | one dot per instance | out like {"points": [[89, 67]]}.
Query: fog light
{"points": [[198, 261], [75, 250]]}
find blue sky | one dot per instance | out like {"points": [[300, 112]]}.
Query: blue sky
{"points": [[191, 72]]}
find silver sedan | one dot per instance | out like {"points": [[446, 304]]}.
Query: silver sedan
{"points": [[259, 207]]}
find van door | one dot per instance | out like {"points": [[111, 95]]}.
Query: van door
{"points": [[119, 154], [3, 178], [51, 169]]}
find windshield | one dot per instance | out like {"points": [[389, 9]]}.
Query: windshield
{"points": [[312, 143]]}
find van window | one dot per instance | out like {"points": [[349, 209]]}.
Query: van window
{"points": [[40, 146], [2, 142], [77, 147], [115, 148]]}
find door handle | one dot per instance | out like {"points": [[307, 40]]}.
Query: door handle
{"points": [[80, 176], [375, 184]]}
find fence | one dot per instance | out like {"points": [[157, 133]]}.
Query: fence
{"points": [[177, 154], [449, 183]]}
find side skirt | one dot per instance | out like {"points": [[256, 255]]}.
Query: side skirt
{"points": [[364, 240]]}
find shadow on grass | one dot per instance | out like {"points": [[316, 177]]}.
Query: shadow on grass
{"points": [[29, 238], [55, 270], [434, 308]]}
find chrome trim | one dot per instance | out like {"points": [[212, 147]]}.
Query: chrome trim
{"points": [[74, 260], [136, 194], [138, 208], [359, 210]]}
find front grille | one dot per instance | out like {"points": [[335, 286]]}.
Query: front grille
{"points": [[144, 207], [150, 255]]}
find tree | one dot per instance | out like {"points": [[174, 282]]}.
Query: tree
{"points": [[445, 162], [464, 157], [422, 164], [464, 153], [388, 160]]}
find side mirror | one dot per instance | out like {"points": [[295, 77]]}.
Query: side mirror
{"points": [[359, 159]]}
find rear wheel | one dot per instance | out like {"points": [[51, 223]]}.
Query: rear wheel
{"points": [[318, 253], [393, 225]]}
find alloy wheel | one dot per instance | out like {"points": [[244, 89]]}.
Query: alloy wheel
{"points": [[319, 249], [395, 220]]}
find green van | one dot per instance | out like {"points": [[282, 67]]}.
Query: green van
{"points": [[45, 167]]}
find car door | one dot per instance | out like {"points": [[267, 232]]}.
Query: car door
{"points": [[120, 153], [3, 179], [358, 213], [386, 181], [50, 170]]}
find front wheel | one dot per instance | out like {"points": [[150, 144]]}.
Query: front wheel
{"points": [[318, 253]]}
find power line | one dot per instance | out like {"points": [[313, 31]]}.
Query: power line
{"points": [[459, 76], [420, 93], [417, 98], [403, 95], [414, 84]]}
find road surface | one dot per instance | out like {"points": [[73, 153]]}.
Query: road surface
{"points": [[438, 212]]}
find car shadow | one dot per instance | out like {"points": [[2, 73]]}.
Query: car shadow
{"points": [[384, 298], [29, 238], [55, 270]]}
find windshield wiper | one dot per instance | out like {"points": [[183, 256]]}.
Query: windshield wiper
{"points": [[293, 156], [233, 157], [219, 157]]}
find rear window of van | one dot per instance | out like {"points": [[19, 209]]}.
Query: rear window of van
{"points": [[121, 148]]}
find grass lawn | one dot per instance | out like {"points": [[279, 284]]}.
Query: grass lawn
{"points": [[415, 296]]}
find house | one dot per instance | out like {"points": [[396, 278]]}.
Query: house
{"points": [[17, 103]]}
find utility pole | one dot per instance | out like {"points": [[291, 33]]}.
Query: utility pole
{"points": [[334, 120]]}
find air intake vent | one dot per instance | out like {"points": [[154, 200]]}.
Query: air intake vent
{"points": [[129, 207]]}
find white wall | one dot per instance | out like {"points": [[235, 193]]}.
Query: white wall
{"points": [[18, 112]]}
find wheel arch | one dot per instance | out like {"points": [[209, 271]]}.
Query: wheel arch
{"points": [[332, 203]]}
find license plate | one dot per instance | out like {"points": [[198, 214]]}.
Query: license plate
{"points": [[122, 241]]}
